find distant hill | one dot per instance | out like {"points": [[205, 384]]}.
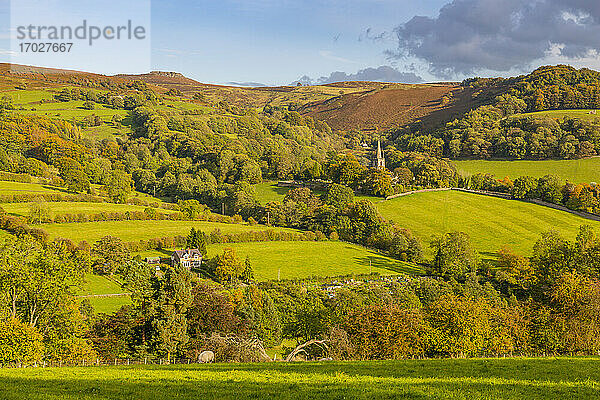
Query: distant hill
{"points": [[367, 106]]}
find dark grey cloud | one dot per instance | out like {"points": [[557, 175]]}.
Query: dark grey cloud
{"points": [[472, 35], [381, 74]]}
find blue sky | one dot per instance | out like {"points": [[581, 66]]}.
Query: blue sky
{"points": [[278, 41], [274, 41]]}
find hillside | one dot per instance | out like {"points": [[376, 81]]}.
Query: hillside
{"points": [[492, 223], [371, 106], [391, 106]]}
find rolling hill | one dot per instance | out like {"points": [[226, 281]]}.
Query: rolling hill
{"points": [[490, 222], [371, 106]]}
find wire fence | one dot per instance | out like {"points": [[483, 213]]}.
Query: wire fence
{"points": [[99, 362]]}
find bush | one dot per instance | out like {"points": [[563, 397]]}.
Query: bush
{"points": [[11, 177], [19, 343]]}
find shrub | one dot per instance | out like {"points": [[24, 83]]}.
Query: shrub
{"points": [[19, 343]]}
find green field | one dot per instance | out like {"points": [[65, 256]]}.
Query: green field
{"points": [[60, 208], [510, 378], [18, 187], [292, 260], [110, 304], [577, 171], [269, 191], [304, 259], [22, 97], [95, 286], [7, 187], [72, 110], [491, 222], [130, 231], [560, 114]]}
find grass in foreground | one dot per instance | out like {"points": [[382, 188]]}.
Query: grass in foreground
{"points": [[491, 222], [576, 171], [517, 378], [130, 231]]}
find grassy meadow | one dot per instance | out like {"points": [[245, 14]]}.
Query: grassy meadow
{"points": [[584, 114], [97, 287], [60, 208], [576, 171], [292, 260], [305, 259], [509, 378], [129, 231], [491, 222], [269, 191], [7, 187]]}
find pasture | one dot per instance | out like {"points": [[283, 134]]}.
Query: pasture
{"points": [[292, 260], [576, 171], [584, 114], [60, 208], [130, 231], [491, 222], [100, 291], [509, 378], [70, 110], [299, 259], [7, 187], [269, 191]]}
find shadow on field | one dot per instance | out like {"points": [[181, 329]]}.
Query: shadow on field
{"points": [[57, 189], [490, 257], [450, 379], [378, 261]]}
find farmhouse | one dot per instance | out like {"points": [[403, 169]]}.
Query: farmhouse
{"points": [[189, 258]]}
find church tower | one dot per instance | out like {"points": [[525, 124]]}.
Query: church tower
{"points": [[379, 162]]}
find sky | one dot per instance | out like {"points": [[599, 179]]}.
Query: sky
{"points": [[277, 42]]}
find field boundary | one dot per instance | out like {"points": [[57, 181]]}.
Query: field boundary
{"points": [[88, 296], [394, 196]]}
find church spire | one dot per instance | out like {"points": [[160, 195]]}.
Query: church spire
{"points": [[379, 161]]}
